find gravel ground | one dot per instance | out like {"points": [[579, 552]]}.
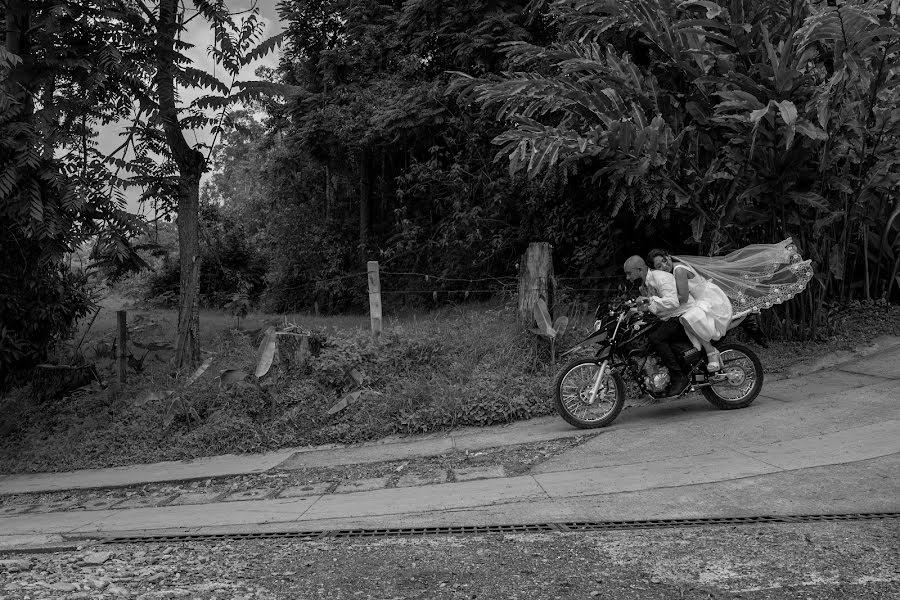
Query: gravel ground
{"points": [[514, 460], [828, 560]]}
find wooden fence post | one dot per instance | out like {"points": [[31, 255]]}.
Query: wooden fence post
{"points": [[535, 280], [374, 298], [122, 353]]}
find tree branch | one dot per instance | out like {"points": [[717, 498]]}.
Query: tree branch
{"points": [[150, 16]]}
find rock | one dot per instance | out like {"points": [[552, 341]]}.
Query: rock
{"points": [[594, 594], [156, 578], [210, 587], [96, 558], [117, 590], [98, 584], [14, 565], [655, 580], [63, 587]]}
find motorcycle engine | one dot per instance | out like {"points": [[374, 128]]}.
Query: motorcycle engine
{"points": [[656, 376]]}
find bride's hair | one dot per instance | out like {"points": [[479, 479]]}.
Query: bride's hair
{"points": [[654, 253]]}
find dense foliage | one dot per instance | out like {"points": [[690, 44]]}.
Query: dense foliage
{"points": [[374, 160], [732, 122], [621, 125], [233, 267], [68, 69], [61, 71]]}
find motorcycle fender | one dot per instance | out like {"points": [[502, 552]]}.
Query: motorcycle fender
{"points": [[597, 336], [603, 354]]}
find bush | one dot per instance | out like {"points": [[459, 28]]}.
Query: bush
{"points": [[40, 305], [449, 369], [230, 266], [452, 368]]}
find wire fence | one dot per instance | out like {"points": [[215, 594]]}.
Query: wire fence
{"points": [[429, 284], [572, 296]]}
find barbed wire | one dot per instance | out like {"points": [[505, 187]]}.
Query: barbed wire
{"points": [[441, 278], [598, 278], [318, 282], [486, 291], [508, 281], [436, 291]]}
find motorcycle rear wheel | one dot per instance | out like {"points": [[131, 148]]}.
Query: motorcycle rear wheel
{"points": [[572, 389], [743, 378]]}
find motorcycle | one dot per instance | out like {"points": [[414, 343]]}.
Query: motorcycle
{"points": [[589, 392]]}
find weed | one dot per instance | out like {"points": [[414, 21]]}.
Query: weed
{"points": [[452, 368]]}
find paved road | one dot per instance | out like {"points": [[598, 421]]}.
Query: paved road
{"points": [[824, 442]]}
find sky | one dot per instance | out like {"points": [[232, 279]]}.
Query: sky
{"points": [[199, 33]]}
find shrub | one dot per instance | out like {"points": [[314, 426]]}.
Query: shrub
{"points": [[231, 266], [39, 308], [452, 368]]}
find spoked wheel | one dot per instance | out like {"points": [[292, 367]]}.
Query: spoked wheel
{"points": [[739, 381], [572, 392]]}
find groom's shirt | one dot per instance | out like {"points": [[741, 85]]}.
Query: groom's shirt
{"points": [[662, 290]]}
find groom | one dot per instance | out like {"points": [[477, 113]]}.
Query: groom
{"points": [[660, 296]]}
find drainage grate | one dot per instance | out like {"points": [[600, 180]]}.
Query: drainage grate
{"points": [[450, 530], [212, 537], [570, 527], [665, 523]]}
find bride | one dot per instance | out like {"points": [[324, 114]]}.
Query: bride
{"points": [[708, 319], [729, 287]]}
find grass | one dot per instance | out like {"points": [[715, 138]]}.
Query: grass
{"points": [[454, 367]]}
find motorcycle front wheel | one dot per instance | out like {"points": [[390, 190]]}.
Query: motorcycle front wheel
{"points": [[739, 381], [572, 390]]}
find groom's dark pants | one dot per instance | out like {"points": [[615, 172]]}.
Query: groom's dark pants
{"points": [[669, 332]]}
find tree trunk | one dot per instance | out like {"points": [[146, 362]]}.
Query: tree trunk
{"points": [[535, 281], [365, 199], [329, 193], [187, 350], [191, 165]]}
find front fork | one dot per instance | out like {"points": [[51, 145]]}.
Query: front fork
{"points": [[598, 382]]}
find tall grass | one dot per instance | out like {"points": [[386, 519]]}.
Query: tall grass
{"points": [[457, 366], [451, 367]]}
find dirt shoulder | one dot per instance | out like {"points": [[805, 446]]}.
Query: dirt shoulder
{"points": [[823, 561]]}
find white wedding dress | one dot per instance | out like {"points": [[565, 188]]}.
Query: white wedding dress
{"points": [[712, 312], [756, 277]]}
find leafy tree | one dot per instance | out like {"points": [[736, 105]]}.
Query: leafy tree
{"points": [[740, 119], [374, 143], [68, 69], [238, 165], [233, 265], [167, 166], [60, 77]]}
